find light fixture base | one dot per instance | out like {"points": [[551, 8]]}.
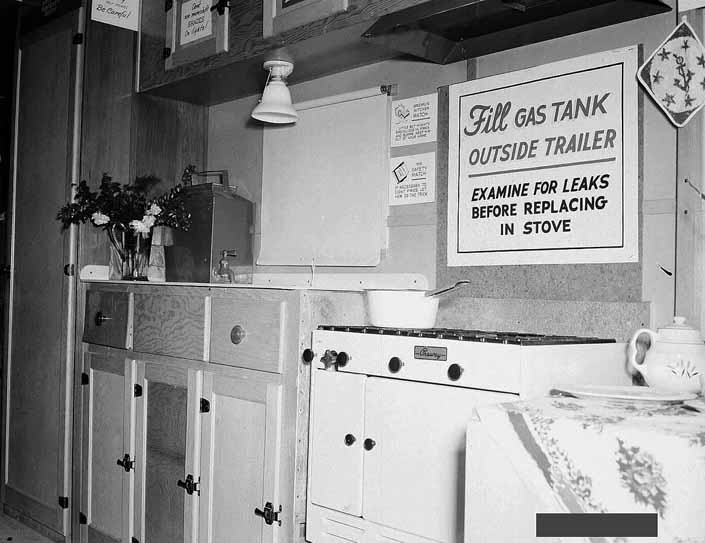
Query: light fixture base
{"points": [[279, 68]]}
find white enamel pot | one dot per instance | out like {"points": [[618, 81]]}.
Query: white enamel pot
{"points": [[405, 308]]}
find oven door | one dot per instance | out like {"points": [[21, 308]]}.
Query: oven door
{"points": [[414, 475]]}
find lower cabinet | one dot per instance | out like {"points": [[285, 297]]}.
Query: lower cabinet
{"points": [[206, 443], [240, 450], [174, 453], [108, 447]]}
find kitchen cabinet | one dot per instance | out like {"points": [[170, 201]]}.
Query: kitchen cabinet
{"points": [[166, 472], [240, 458], [328, 44], [38, 370], [108, 446], [214, 403]]}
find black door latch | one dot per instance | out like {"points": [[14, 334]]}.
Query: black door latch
{"points": [[126, 463], [190, 485], [269, 515]]}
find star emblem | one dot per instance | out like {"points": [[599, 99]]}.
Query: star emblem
{"points": [[664, 54], [701, 61], [688, 100], [657, 77], [669, 99], [685, 45]]}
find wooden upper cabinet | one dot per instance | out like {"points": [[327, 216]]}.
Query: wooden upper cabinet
{"points": [[195, 29], [322, 37]]}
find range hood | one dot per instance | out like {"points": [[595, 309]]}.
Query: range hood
{"points": [[445, 31]]}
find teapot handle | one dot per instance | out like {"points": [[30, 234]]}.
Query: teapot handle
{"points": [[632, 347]]}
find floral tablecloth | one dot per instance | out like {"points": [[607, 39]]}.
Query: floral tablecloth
{"points": [[597, 455]]}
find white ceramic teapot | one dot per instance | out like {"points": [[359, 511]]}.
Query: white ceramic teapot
{"points": [[675, 359]]}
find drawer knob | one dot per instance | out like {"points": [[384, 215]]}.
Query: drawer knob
{"points": [[349, 439], [395, 364], [342, 359], [369, 444], [237, 334], [454, 372], [100, 318]]}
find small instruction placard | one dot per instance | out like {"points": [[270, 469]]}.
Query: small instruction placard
{"points": [[543, 164], [196, 21], [414, 120], [412, 179], [122, 13]]}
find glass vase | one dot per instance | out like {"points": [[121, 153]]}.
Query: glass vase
{"points": [[131, 249]]}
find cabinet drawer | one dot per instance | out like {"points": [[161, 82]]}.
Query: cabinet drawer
{"points": [[169, 324], [248, 333], [106, 318]]}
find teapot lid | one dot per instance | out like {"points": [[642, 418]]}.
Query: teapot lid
{"points": [[680, 332]]}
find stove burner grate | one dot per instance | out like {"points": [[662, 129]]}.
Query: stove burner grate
{"points": [[483, 336]]}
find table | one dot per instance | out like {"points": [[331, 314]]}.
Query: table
{"points": [[563, 454]]}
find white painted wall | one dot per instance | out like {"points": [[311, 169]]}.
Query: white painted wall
{"points": [[235, 143]]}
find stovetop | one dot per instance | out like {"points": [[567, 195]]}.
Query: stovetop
{"points": [[484, 336]]}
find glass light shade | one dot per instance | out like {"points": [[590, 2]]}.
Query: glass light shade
{"points": [[275, 105]]}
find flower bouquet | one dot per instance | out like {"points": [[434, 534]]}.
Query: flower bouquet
{"points": [[128, 213]]}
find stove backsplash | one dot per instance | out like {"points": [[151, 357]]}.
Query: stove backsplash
{"points": [[616, 320]]}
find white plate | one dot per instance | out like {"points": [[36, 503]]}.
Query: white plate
{"points": [[645, 394]]}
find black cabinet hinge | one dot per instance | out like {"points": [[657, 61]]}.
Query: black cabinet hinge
{"points": [[69, 270], [168, 4], [84, 378], [135, 540], [125, 463], [78, 38], [166, 53], [138, 391], [269, 515], [82, 518], [64, 502], [205, 406]]}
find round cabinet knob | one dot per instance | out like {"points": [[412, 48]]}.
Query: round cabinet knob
{"points": [[369, 444], [395, 364], [307, 356], [100, 318], [349, 439], [342, 359], [237, 334], [455, 371]]}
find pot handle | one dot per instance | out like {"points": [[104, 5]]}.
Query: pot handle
{"points": [[632, 347]]}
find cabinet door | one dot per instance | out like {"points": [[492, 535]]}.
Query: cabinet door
{"points": [[240, 458], [168, 434], [37, 459], [108, 437], [337, 436], [415, 473]]}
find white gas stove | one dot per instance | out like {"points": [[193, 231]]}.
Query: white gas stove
{"points": [[389, 408]]}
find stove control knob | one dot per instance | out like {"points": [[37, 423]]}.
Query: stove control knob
{"points": [[308, 355], [395, 364], [349, 439], [342, 359], [454, 372], [369, 444]]}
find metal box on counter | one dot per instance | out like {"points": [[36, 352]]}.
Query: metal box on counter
{"points": [[220, 221]]}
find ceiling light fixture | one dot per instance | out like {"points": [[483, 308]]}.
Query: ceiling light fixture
{"points": [[275, 105]]}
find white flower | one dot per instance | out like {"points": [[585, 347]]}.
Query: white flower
{"points": [[154, 210], [139, 227], [148, 221], [99, 219]]}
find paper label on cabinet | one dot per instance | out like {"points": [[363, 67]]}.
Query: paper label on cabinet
{"points": [[196, 21], [412, 179], [414, 120], [122, 13]]}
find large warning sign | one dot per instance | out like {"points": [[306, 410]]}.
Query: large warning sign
{"points": [[543, 164]]}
